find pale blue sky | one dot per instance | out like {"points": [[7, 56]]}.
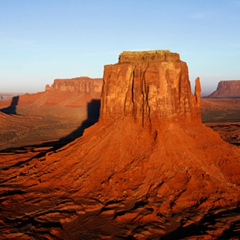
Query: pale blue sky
{"points": [[41, 40]]}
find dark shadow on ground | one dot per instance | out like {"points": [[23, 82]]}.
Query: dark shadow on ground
{"points": [[12, 109], [93, 112]]}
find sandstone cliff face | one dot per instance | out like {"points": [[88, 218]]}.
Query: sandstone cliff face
{"points": [[149, 169], [149, 86], [227, 89]]}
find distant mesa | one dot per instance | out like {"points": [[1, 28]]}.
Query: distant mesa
{"points": [[79, 85], [74, 92], [227, 89]]}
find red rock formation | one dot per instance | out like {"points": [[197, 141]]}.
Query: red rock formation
{"points": [[73, 92], [150, 87], [227, 89], [79, 85], [149, 169], [76, 92]]}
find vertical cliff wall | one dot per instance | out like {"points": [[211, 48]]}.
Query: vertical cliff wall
{"points": [[149, 86]]}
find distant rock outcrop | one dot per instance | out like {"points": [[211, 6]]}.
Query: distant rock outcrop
{"points": [[75, 92], [227, 89], [79, 85], [149, 169]]}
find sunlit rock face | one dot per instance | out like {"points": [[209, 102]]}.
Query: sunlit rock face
{"points": [[149, 86], [80, 85], [227, 89]]}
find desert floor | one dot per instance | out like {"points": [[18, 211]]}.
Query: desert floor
{"points": [[44, 128]]}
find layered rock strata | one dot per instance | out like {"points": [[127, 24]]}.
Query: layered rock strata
{"points": [[79, 85], [148, 170], [227, 89], [75, 92], [149, 87]]}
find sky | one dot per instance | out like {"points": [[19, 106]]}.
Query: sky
{"points": [[42, 40]]}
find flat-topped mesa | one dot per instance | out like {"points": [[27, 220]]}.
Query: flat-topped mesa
{"points": [[149, 86], [80, 85], [227, 89], [148, 56]]}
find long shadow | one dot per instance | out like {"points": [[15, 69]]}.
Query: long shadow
{"points": [[93, 112], [12, 109], [209, 223]]}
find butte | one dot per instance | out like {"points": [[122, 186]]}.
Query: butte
{"points": [[149, 169]]}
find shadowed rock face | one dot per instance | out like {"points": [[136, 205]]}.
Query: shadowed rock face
{"points": [[227, 89], [148, 169]]}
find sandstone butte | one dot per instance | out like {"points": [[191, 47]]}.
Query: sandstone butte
{"points": [[227, 89], [149, 169]]}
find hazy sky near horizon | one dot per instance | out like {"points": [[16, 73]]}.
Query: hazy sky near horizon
{"points": [[48, 39]]}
